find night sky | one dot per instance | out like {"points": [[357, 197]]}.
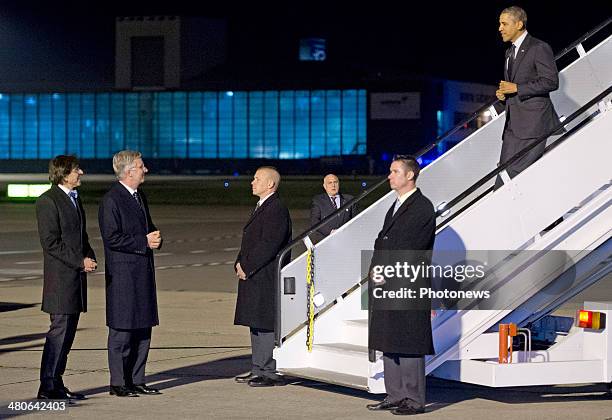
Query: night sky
{"points": [[458, 41]]}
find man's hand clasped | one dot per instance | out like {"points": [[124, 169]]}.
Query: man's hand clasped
{"points": [[154, 240], [240, 273], [89, 265]]}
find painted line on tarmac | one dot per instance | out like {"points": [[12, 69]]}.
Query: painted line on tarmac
{"points": [[231, 249], [19, 272], [101, 273], [32, 251], [4, 279], [28, 262], [182, 241], [163, 254], [196, 265], [208, 239]]}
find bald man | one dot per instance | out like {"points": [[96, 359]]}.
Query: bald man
{"points": [[325, 204], [265, 234]]}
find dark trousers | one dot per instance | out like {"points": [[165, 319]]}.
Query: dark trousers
{"points": [[127, 355], [58, 342], [405, 378], [512, 145], [262, 346]]}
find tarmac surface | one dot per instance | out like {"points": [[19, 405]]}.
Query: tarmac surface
{"points": [[196, 349]]}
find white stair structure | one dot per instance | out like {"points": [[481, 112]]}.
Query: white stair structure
{"points": [[550, 269]]}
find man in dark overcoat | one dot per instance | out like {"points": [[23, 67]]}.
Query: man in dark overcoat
{"points": [[401, 328], [67, 258], [129, 237], [325, 204], [265, 234]]}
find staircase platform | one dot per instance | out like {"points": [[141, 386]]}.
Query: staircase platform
{"points": [[329, 377]]}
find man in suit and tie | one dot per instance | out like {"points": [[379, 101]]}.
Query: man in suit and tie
{"points": [[401, 328], [530, 75], [129, 237], [265, 234], [67, 258], [325, 204]]}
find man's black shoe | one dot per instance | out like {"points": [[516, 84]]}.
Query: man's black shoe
{"points": [[383, 405], [55, 394], [146, 390], [73, 395], [260, 381], [406, 408], [243, 379], [122, 391]]}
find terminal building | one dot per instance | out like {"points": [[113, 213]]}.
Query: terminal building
{"points": [[178, 99]]}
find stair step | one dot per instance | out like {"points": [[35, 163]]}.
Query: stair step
{"points": [[349, 359], [357, 322], [353, 349], [328, 376]]}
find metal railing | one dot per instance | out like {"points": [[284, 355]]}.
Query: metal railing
{"points": [[346, 207]]}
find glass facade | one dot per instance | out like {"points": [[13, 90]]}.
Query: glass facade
{"points": [[286, 124]]}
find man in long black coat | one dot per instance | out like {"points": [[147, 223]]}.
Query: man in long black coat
{"points": [[401, 328], [129, 237], [325, 204], [265, 234], [67, 258]]}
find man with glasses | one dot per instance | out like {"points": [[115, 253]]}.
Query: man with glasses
{"points": [[68, 256]]}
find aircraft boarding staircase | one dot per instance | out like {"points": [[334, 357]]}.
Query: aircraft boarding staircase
{"points": [[532, 273]]}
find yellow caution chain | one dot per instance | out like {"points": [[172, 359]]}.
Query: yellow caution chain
{"points": [[310, 298]]}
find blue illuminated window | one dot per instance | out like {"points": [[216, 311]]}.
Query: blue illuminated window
{"points": [[88, 126], [194, 125], [102, 133], [286, 124], [211, 128], [256, 125], [45, 126], [74, 124], [240, 133], [30, 126], [5, 138]]}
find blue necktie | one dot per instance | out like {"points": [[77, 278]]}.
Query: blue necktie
{"points": [[73, 197]]}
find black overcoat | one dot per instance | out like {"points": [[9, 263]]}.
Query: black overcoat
{"points": [[322, 206], [412, 228], [131, 299], [63, 237], [265, 234]]}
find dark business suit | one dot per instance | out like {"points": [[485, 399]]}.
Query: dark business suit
{"points": [[265, 234], [322, 206], [63, 237], [529, 112], [403, 333], [131, 301]]}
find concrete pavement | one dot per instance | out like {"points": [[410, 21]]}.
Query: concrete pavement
{"points": [[197, 350]]}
